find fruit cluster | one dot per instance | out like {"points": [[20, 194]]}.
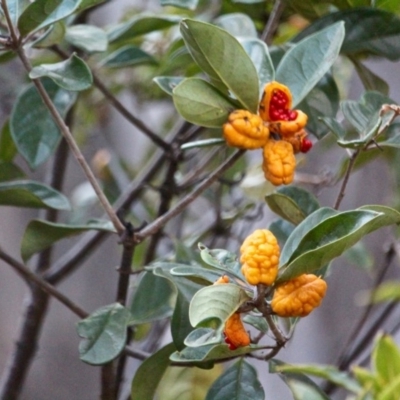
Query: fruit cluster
{"points": [[278, 129]]}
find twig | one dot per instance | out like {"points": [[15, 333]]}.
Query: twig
{"points": [[347, 356], [122, 294], [182, 204], [350, 166], [273, 22], [73, 145], [44, 286], [120, 107]]}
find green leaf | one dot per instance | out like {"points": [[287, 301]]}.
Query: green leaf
{"points": [[293, 241], [383, 40], [42, 13], [40, 235], [258, 321], [237, 24], [149, 374], [307, 62], [72, 74], [33, 129], [8, 149], [238, 382], [259, 55], [104, 334], [201, 103], [180, 324], [10, 172], [222, 57], [321, 102], [282, 230], [199, 272], [168, 83], [54, 34], [202, 143], [391, 136], [292, 203], [211, 352], [85, 4], [151, 299], [14, 9], [186, 383], [140, 25], [127, 56], [321, 240], [221, 259], [88, 38], [31, 194], [300, 385], [188, 4], [326, 372], [385, 359], [215, 302], [203, 336]]}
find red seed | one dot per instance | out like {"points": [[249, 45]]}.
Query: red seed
{"points": [[292, 115], [306, 145]]}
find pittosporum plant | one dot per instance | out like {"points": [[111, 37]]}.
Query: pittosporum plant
{"points": [[243, 81]]}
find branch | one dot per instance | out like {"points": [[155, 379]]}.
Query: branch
{"points": [[120, 107], [42, 284], [182, 204], [350, 167], [273, 22], [73, 145]]}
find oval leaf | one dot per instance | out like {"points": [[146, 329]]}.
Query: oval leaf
{"points": [[259, 55], [40, 235], [151, 299], [215, 302], [292, 203], [238, 382], [329, 239], [88, 38], [222, 57], [31, 194], [127, 56], [237, 24], [104, 334], [383, 40], [33, 129], [42, 13], [307, 62], [211, 352], [201, 103], [149, 374], [140, 25], [168, 83], [71, 74]]}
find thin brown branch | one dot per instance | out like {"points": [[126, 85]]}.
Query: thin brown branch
{"points": [[120, 107], [42, 284], [273, 22], [73, 146], [183, 203], [349, 169]]}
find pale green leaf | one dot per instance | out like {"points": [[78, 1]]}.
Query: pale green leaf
{"points": [[33, 129], [215, 302], [39, 235], [31, 194], [222, 57], [71, 74], [238, 382], [104, 334], [306, 63], [149, 374], [202, 104], [88, 38]]}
